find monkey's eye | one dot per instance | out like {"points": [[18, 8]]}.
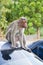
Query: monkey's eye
{"points": [[24, 21]]}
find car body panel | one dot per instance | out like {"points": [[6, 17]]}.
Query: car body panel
{"points": [[19, 57]]}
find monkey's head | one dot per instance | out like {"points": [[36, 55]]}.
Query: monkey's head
{"points": [[23, 22]]}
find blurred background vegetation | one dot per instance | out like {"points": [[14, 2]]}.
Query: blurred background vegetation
{"points": [[31, 9]]}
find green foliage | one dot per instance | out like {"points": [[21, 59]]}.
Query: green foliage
{"points": [[13, 9], [32, 30]]}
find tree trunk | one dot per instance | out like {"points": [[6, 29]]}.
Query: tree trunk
{"points": [[38, 33]]}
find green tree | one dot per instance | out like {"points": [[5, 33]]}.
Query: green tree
{"points": [[14, 9]]}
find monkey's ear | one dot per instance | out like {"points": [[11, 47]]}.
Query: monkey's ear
{"points": [[20, 20]]}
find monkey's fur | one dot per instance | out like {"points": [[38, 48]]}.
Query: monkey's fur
{"points": [[15, 33]]}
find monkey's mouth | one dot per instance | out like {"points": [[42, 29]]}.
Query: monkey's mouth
{"points": [[24, 26]]}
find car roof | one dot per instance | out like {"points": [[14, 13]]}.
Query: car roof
{"points": [[20, 57]]}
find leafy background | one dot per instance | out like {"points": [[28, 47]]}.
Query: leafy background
{"points": [[31, 9]]}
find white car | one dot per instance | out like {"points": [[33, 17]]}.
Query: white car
{"points": [[17, 56]]}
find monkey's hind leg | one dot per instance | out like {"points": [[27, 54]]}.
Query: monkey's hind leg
{"points": [[8, 37], [13, 41]]}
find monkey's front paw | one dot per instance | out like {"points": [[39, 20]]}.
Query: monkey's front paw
{"points": [[27, 49]]}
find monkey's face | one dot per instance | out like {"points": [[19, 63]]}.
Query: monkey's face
{"points": [[24, 24]]}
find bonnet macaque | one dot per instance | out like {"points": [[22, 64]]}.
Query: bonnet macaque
{"points": [[15, 32]]}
